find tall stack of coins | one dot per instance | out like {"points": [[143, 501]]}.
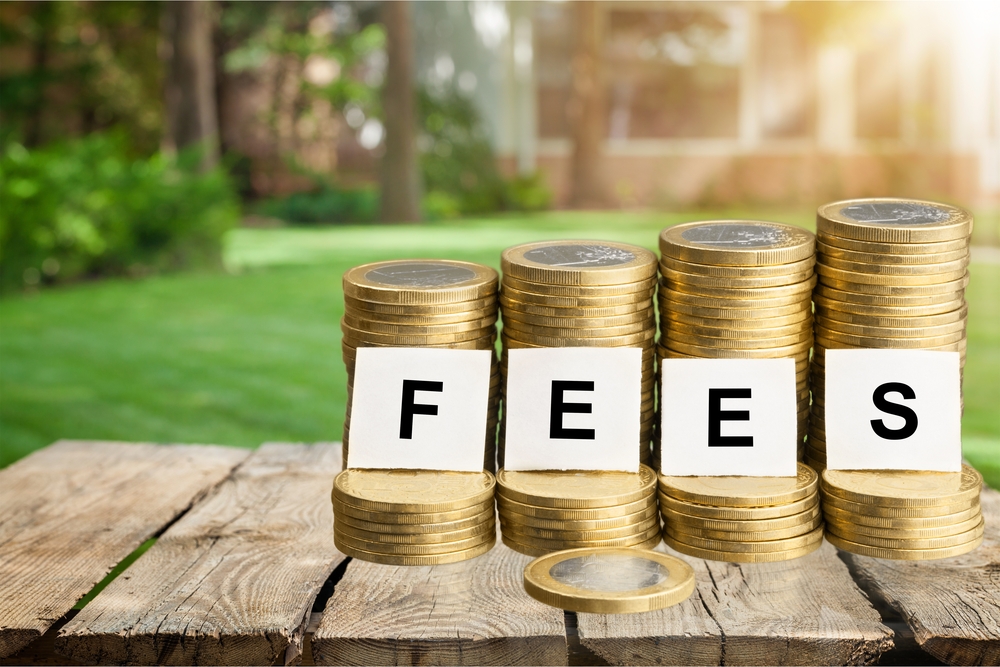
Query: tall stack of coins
{"points": [[422, 303], [413, 517], [545, 511], [901, 514], [582, 294], [739, 290], [742, 519], [892, 274]]}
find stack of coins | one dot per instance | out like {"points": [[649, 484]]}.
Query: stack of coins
{"points": [[892, 274], [413, 517], [739, 290], [903, 515], [422, 303], [582, 294], [545, 511], [743, 519]]}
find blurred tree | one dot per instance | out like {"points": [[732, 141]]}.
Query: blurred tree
{"points": [[399, 169], [189, 92], [587, 110]]}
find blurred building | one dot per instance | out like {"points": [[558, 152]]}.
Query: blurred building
{"points": [[739, 101]]}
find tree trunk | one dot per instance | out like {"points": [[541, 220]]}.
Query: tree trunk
{"points": [[589, 189], [399, 173], [190, 80]]}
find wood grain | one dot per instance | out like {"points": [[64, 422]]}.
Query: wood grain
{"points": [[952, 605], [72, 511], [233, 581], [471, 613], [807, 611]]}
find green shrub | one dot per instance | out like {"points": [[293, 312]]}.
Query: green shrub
{"points": [[528, 193], [325, 205], [84, 208]]}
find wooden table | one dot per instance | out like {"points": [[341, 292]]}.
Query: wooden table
{"points": [[244, 571]]}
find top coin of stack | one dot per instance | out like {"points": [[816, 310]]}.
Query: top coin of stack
{"points": [[582, 294], [544, 511], [742, 519], [413, 517], [422, 303], [902, 514], [892, 274], [739, 290]]}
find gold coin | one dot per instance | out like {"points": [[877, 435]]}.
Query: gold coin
{"points": [[361, 318], [737, 272], [374, 309], [609, 580], [863, 522], [627, 340], [742, 557], [904, 488], [832, 252], [543, 551], [403, 559], [895, 282], [700, 537], [512, 285], [648, 323], [926, 301], [389, 538], [576, 489], [671, 307], [412, 490], [555, 301], [414, 549], [510, 525], [706, 352], [741, 491], [671, 277], [957, 315], [669, 295], [672, 335], [571, 312], [737, 243], [719, 331], [508, 506], [572, 262], [893, 221], [438, 527], [429, 519], [878, 248], [902, 554], [907, 538], [417, 329], [737, 291], [350, 333], [801, 358], [420, 282], [890, 332], [802, 318], [560, 544], [627, 520], [828, 338], [913, 512], [644, 317], [679, 519], [937, 270], [844, 308], [897, 290]]}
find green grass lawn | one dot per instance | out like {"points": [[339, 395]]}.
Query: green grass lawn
{"points": [[253, 355]]}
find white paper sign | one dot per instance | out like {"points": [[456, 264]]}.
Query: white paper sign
{"points": [[893, 410], [728, 417], [419, 408], [573, 408]]}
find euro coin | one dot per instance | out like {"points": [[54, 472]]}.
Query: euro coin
{"points": [[418, 328], [893, 221], [892, 321], [804, 337], [741, 491], [865, 522], [731, 302], [544, 551], [576, 514], [524, 309], [415, 549], [682, 531], [672, 277], [706, 352], [902, 554], [515, 528], [407, 559], [832, 252], [737, 243], [877, 283], [878, 248], [786, 544], [636, 539], [513, 285], [609, 580], [936, 271], [634, 299], [412, 490], [894, 288], [578, 263], [644, 318], [802, 317], [915, 511], [891, 332], [743, 557], [904, 488], [576, 489], [908, 538], [627, 520], [420, 282], [385, 537], [342, 514], [636, 328], [737, 291], [628, 340], [679, 520], [374, 309]]}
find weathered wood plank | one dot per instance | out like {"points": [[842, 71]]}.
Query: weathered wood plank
{"points": [[952, 605], [233, 581], [471, 613], [806, 611], [72, 511]]}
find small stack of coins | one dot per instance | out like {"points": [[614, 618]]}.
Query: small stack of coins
{"points": [[582, 294], [413, 517], [422, 303], [739, 290], [902, 514], [892, 274], [742, 519], [545, 511]]}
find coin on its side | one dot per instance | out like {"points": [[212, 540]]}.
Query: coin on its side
{"points": [[609, 580], [409, 559], [913, 512], [576, 489], [744, 556], [904, 488], [670, 504], [742, 491], [902, 554], [412, 490]]}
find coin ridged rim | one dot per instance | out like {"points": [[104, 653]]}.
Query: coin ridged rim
{"points": [[742, 557], [517, 486], [725, 312], [406, 549], [902, 554], [403, 559], [536, 552], [705, 352], [867, 310], [896, 288], [345, 489], [875, 487], [859, 319], [828, 274], [877, 331], [510, 524], [879, 523], [908, 538], [936, 269], [409, 319], [622, 521], [413, 521], [738, 491], [826, 336], [799, 244], [830, 220], [721, 331], [514, 263], [894, 301], [673, 276], [768, 546], [414, 328], [881, 247], [539, 584], [556, 301], [744, 323], [574, 311], [887, 258], [744, 525], [625, 340], [802, 337], [647, 323], [671, 295], [646, 316], [560, 544], [737, 272], [376, 308], [512, 285], [581, 513], [483, 284], [750, 536], [384, 536], [738, 291], [913, 512], [483, 343]]}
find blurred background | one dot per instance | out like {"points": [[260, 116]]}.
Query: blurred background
{"points": [[183, 184]]}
